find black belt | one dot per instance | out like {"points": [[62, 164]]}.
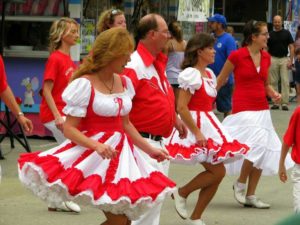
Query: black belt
{"points": [[151, 136]]}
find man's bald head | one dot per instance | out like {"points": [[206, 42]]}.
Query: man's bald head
{"points": [[147, 23], [277, 22]]}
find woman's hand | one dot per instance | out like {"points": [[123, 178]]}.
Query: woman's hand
{"points": [[180, 126], [59, 123], [282, 173], [25, 123], [105, 151], [200, 140], [276, 97], [159, 154]]}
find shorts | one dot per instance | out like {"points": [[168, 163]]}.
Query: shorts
{"points": [[223, 100]]}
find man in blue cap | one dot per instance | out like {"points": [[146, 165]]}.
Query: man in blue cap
{"points": [[224, 45]]}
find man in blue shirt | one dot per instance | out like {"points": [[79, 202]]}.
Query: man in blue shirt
{"points": [[224, 45]]}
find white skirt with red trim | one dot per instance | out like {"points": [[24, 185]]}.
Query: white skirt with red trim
{"points": [[126, 184], [220, 146], [255, 128]]}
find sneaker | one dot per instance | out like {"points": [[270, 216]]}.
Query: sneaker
{"points": [[274, 107], [195, 222], [239, 194], [256, 203], [67, 206], [180, 205], [285, 108]]}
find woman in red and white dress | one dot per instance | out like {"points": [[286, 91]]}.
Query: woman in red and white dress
{"points": [[207, 142], [99, 163], [251, 121]]}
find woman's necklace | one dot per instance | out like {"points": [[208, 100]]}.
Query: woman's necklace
{"points": [[110, 89]]}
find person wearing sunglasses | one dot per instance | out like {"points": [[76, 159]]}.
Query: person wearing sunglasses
{"points": [[111, 18]]}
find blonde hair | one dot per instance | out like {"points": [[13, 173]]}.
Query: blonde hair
{"points": [[57, 30], [109, 45], [107, 18]]}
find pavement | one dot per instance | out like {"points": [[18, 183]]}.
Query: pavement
{"points": [[19, 207]]}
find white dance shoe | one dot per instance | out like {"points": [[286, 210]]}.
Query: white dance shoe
{"points": [[195, 222], [256, 203], [239, 194], [180, 205], [67, 206]]}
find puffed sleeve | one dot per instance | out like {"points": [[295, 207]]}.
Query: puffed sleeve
{"points": [[77, 96], [190, 78], [129, 87]]}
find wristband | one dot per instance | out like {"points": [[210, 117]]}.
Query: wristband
{"points": [[20, 114]]}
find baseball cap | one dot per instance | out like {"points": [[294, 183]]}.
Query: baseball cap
{"points": [[217, 18]]}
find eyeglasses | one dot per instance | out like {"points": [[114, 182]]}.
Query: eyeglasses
{"points": [[266, 34], [167, 32]]}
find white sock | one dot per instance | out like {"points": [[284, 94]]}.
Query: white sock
{"points": [[251, 197], [241, 186]]}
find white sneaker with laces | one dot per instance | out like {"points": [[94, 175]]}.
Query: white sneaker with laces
{"points": [[256, 203], [180, 205], [239, 194], [195, 222]]}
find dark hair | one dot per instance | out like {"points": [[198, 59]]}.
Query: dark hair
{"points": [[252, 27], [198, 41], [145, 25], [175, 30]]}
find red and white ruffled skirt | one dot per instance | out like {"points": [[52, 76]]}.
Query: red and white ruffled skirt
{"points": [[126, 184], [220, 146]]}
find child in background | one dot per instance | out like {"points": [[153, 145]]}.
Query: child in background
{"points": [[292, 139]]}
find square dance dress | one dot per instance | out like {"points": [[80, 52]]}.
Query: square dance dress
{"points": [[221, 147], [126, 184]]}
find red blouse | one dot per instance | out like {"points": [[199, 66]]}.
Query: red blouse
{"points": [[249, 93]]}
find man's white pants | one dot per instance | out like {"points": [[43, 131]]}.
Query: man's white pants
{"points": [[57, 134], [296, 189], [152, 216]]}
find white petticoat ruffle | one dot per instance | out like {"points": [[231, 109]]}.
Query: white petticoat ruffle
{"points": [[255, 129], [221, 147], [131, 166]]}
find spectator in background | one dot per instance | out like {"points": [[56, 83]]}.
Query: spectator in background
{"points": [[111, 18], [280, 44], [230, 30], [224, 45], [175, 51], [64, 33]]}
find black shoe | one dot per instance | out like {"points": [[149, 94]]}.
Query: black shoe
{"points": [[285, 108], [275, 107]]}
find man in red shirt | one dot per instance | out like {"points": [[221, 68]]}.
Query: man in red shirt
{"points": [[9, 99], [292, 139], [153, 110]]}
